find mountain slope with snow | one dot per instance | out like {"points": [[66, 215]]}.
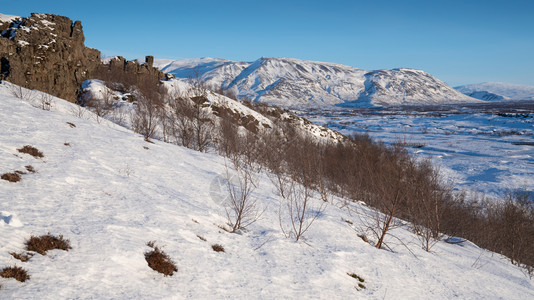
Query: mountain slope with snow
{"points": [[497, 91], [109, 192], [294, 82]]}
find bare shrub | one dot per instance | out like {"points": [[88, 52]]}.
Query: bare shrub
{"points": [[298, 207], [217, 248], [159, 261], [515, 216], [78, 110], [21, 93], [46, 101], [31, 151], [24, 257], [47, 242], [17, 273], [424, 211], [147, 108], [11, 177], [190, 122], [242, 209]]}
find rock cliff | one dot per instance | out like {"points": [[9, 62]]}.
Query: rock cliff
{"points": [[46, 52]]}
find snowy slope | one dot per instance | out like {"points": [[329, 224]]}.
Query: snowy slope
{"points": [[293, 82], [498, 91], [7, 18], [110, 192], [123, 110]]}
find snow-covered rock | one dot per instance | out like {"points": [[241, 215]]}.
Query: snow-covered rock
{"points": [[294, 82], [498, 91]]}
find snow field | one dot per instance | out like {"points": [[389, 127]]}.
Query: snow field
{"points": [[110, 193]]}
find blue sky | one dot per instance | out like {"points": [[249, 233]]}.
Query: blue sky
{"points": [[459, 42]]}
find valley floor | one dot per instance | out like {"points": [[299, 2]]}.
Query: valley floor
{"points": [[479, 148]]}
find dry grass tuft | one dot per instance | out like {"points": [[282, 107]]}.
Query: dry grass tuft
{"points": [[11, 177], [159, 261], [31, 151], [201, 237], [71, 124], [217, 248], [15, 272], [30, 169], [47, 242], [23, 257], [355, 276], [360, 286]]}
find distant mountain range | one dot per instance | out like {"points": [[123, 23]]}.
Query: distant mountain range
{"points": [[294, 82], [497, 91]]}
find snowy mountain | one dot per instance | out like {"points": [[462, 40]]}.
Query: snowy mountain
{"points": [[110, 192], [294, 82], [497, 91]]}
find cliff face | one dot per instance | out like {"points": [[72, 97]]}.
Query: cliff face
{"points": [[47, 53]]}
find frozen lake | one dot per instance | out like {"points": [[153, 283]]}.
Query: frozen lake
{"points": [[479, 148]]}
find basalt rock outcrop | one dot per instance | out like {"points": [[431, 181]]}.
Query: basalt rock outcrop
{"points": [[46, 52]]}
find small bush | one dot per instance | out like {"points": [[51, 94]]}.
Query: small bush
{"points": [[47, 242], [159, 261], [15, 272], [23, 257], [31, 151], [30, 169], [217, 248], [355, 276], [11, 177]]}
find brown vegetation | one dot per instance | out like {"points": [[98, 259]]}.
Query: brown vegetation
{"points": [[159, 261], [24, 257], [47, 242], [15, 272], [11, 177], [31, 151], [217, 248]]}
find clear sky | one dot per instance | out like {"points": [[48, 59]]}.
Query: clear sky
{"points": [[459, 42]]}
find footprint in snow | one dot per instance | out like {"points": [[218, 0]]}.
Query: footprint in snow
{"points": [[9, 219]]}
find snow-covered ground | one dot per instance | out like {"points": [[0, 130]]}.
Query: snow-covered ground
{"points": [[473, 147], [109, 192]]}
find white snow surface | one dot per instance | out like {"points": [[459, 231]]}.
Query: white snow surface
{"points": [[7, 18], [502, 91], [109, 192], [295, 82]]}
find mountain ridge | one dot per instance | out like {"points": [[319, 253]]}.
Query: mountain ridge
{"points": [[498, 91], [295, 82]]}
